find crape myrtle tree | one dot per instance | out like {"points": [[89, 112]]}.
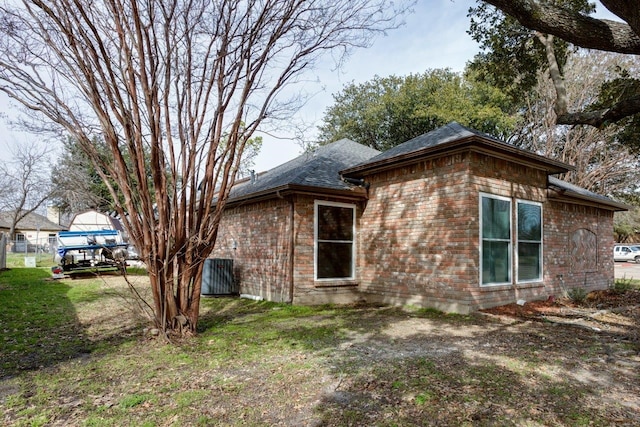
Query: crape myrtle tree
{"points": [[174, 89], [569, 20]]}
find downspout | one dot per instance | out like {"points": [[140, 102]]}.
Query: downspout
{"points": [[291, 248]]}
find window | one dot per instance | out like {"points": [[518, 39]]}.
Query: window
{"points": [[334, 240], [529, 241], [495, 236]]}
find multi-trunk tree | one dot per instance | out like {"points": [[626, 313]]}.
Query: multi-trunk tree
{"points": [[174, 90]]}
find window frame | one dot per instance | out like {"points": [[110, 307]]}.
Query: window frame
{"points": [[540, 242], [352, 206], [482, 239]]}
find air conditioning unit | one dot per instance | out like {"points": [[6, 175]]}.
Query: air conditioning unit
{"points": [[217, 277]]}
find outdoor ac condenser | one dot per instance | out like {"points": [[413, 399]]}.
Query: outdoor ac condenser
{"points": [[217, 277]]}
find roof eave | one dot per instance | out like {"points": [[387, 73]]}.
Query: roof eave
{"points": [[485, 145], [566, 195], [287, 189]]}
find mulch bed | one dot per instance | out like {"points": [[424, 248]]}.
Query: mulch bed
{"points": [[597, 300]]}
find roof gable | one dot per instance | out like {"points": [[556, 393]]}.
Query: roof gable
{"points": [[444, 140], [318, 169]]}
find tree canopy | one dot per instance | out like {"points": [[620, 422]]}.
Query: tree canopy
{"points": [[387, 111], [569, 20]]}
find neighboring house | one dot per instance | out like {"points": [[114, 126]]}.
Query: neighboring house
{"points": [[32, 232], [453, 219]]}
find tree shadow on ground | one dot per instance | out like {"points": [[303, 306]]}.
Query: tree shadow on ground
{"points": [[393, 366], [39, 322]]}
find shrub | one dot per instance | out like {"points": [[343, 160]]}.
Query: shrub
{"points": [[623, 285], [577, 294]]}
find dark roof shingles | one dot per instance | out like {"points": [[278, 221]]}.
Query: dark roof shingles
{"points": [[319, 169]]}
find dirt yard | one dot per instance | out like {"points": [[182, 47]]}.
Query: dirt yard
{"points": [[555, 362]]}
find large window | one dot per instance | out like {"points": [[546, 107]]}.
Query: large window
{"points": [[529, 241], [334, 240], [495, 250]]}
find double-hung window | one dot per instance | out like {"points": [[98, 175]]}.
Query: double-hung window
{"points": [[529, 216], [334, 240], [495, 245], [496, 240]]}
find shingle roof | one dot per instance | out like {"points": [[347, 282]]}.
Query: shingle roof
{"points": [[445, 138], [569, 189], [319, 169], [453, 131], [32, 221]]}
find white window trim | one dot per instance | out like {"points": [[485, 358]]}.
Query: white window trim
{"points": [[315, 240], [510, 251], [517, 241]]}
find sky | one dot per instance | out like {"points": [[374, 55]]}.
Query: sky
{"points": [[434, 36]]}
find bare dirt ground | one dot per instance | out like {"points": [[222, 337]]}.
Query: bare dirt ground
{"points": [[554, 362]]}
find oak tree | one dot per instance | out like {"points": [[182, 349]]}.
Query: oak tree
{"points": [[387, 111], [560, 19]]}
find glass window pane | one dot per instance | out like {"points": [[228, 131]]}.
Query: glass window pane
{"points": [[529, 222], [335, 223], [529, 261], [495, 262], [496, 218], [335, 260]]}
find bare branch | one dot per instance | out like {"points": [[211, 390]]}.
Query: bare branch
{"points": [[174, 90]]}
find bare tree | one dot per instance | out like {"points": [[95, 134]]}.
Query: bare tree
{"points": [[551, 18], [175, 89], [603, 164], [24, 182]]}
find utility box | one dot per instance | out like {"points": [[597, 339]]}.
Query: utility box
{"points": [[217, 277]]}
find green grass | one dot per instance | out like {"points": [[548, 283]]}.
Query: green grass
{"points": [[624, 284], [73, 353], [17, 260]]}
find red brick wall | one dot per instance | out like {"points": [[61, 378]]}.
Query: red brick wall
{"points": [[261, 234], [415, 245], [306, 289], [420, 235], [570, 262], [262, 257], [418, 240]]}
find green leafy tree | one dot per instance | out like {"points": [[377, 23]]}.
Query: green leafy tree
{"points": [[568, 20], [626, 225], [387, 111], [77, 186], [511, 55]]}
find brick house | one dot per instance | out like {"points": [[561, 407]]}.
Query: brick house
{"points": [[453, 219]]}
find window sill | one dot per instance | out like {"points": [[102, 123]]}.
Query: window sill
{"points": [[336, 284], [505, 286]]}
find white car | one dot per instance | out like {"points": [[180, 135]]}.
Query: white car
{"points": [[626, 253]]}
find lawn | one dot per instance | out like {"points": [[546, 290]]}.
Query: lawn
{"points": [[77, 352]]}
